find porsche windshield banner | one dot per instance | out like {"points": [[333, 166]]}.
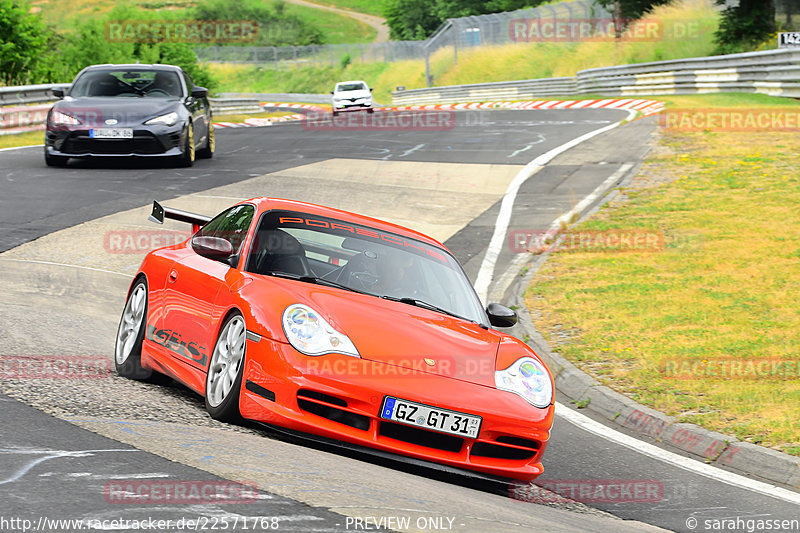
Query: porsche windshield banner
{"points": [[289, 219]]}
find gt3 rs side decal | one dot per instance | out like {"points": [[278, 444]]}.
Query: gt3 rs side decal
{"points": [[172, 341]]}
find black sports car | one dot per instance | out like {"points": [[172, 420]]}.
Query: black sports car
{"points": [[130, 110]]}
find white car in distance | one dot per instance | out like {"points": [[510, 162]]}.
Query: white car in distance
{"points": [[352, 96]]}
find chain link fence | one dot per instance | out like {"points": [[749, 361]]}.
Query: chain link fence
{"points": [[456, 34]]}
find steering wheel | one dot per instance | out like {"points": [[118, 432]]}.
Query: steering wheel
{"points": [[360, 272], [152, 92]]}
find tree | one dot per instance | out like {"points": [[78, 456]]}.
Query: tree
{"points": [[624, 11], [630, 9], [745, 26], [411, 19], [23, 39], [418, 19]]}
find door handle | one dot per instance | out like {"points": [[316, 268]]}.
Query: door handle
{"points": [[173, 276]]}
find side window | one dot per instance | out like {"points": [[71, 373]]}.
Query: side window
{"points": [[231, 225], [189, 83]]}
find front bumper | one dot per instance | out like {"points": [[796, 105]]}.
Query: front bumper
{"points": [[347, 106], [147, 141], [340, 397]]}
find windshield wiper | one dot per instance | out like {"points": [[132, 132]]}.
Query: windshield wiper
{"points": [[425, 305], [312, 279]]}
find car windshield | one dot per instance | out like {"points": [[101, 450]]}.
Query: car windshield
{"points": [[344, 87], [127, 83], [329, 251]]}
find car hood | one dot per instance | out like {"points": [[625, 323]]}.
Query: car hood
{"points": [[132, 111], [352, 94], [398, 334]]}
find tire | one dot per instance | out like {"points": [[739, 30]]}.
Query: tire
{"points": [[186, 159], [130, 335], [54, 160], [225, 370], [335, 113], [370, 110], [207, 152]]}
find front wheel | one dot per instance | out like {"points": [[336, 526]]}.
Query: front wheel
{"points": [[54, 160], [186, 159], [224, 377], [207, 152], [130, 335]]}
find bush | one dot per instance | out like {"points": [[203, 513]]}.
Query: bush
{"points": [[23, 40]]}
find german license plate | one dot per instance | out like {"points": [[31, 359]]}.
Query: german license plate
{"points": [[111, 133], [434, 418]]}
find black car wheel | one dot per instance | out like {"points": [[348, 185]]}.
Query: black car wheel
{"points": [[54, 160], [186, 159], [207, 152]]}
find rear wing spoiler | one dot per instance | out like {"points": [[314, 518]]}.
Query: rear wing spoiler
{"points": [[160, 213]]}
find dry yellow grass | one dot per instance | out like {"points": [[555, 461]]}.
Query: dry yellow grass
{"points": [[22, 139], [723, 288]]}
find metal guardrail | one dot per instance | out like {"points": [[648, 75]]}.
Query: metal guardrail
{"points": [[235, 105], [480, 92], [23, 118], [29, 94], [772, 72], [303, 98]]}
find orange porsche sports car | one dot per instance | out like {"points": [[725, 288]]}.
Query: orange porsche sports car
{"points": [[341, 327]]}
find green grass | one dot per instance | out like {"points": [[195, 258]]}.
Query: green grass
{"points": [[370, 7], [336, 29], [722, 288], [22, 139]]}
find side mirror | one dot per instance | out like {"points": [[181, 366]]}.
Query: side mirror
{"points": [[57, 92], [501, 316], [371, 89], [199, 92], [212, 247], [331, 92]]}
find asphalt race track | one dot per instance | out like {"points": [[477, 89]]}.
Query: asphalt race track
{"points": [[71, 239]]}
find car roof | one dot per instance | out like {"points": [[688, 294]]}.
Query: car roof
{"points": [[266, 204], [143, 66], [351, 81]]}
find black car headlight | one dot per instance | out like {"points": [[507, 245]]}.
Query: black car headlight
{"points": [[310, 334], [170, 119], [528, 378]]}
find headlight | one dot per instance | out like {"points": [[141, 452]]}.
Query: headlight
{"points": [[168, 120], [528, 378], [56, 117], [310, 334]]}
